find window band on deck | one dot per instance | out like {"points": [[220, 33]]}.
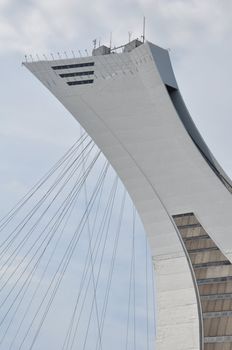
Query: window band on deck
{"points": [[221, 339], [200, 250], [188, 226], [214, 280], [80, 82], [224, 296], [74, 65], [195, 238], [76, 74], [182, 215], [211, 263], [217, 314]]}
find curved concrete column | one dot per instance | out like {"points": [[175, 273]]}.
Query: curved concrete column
{"points": [[130, 105]]}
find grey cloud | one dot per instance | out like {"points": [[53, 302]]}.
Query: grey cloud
{"points": [[35, 129], [40, 25]]}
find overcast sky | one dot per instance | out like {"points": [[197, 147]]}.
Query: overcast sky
{"points": [[35, 129]]}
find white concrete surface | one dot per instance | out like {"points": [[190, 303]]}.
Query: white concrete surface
{"points": [[129, 114]]}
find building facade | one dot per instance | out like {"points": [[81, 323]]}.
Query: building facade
{"points": [[130, 104]]}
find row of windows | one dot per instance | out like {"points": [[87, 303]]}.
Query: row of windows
{"points": [[217, 314], [80, 82], [182, 215], [188, 226], [76, 74], [195, 238], [221, 339], [223, 296], [199, 250], [214, 280], [211, 263], [75, 65]]}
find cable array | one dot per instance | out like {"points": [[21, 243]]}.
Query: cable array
{"points": [[70, 275]]}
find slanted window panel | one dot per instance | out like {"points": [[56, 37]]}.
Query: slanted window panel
{"points": [[74, 65], [80, 82], [76, 74], [213, 273]]}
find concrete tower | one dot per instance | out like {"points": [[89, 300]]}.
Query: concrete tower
{"points": [[130, 104]]}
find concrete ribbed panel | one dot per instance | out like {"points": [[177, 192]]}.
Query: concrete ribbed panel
{"points": [[216, 305], [199, 244], [214, 271], [206, 256], [218, 346], [219, 326], [218, 288], [189, 232]]}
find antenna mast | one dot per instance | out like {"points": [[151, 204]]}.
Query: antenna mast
{"points": [[110, 41], [144, 28]]}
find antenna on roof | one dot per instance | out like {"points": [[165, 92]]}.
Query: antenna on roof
{"points": [[110, 40], [144, 29], [130, 34], [94, 43]]}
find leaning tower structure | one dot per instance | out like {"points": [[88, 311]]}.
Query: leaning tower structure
{"points": [[131, 106]]}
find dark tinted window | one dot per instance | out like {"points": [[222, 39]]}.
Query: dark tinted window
{"points": [[75, 65]]}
